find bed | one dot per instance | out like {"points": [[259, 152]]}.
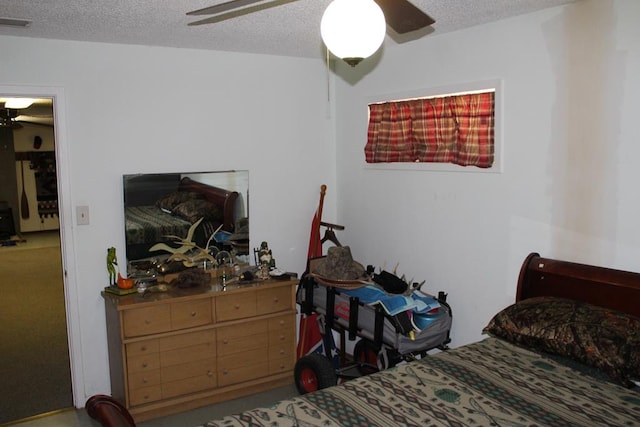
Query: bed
{"points": [[511, 378], [162, 205], [566, 353]]}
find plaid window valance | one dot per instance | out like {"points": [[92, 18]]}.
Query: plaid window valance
{"points": [[455, 129]]}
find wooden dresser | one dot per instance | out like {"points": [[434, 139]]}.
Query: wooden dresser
{"points": [[175, 351]]}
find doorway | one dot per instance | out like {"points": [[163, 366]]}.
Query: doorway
{"points": [[34, 343]]}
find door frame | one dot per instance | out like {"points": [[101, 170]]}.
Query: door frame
{"points": [[71, 297]]}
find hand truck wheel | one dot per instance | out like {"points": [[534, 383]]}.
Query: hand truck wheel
{"points": [[314, 372]]}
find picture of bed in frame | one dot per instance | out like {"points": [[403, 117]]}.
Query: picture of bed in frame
{"points": [[566, 353], [168, 204]]}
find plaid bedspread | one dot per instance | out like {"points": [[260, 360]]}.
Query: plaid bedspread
{"points": [[487, 383]]}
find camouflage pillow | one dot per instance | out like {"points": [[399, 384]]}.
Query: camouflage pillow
{"points": [[605, 339], [193, 210], [170, 201]]}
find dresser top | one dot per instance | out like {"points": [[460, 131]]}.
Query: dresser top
{"points": [[172, 293]]}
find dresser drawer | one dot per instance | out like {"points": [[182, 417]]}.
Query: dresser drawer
{"points": [[144, 379], [281, 337], [252, 327], [189, 378], [206, 367], [241, 360], [145, 395], [243, 344], [242, 367], [285, 324], [235, 306], [147, 320], [191, 313], [281, 364], [274, 300], [142, 347], [143, 363], [188, 354], [188, 347], [277, 339], [281, 351], [186, 340], [188, 385]]}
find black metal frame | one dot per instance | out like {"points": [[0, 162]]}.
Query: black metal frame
{"points": [[307, 285]]}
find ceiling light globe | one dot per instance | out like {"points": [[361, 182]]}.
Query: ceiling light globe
{"points": [[18, 103], [353, 29]]}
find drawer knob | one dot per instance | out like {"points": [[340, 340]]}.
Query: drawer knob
{"points": [[281, 352], [147, 321], [237, 306], [225, 372], [276, 299], [144, 364], [145, 380], [209, 374], [225, 342], [282, 323], [144, 348], [193, 314]]}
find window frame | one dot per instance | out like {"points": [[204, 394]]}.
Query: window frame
{"points": [[455, 89]]}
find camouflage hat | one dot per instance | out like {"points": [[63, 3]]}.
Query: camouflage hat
{"points": [[338, 266]]}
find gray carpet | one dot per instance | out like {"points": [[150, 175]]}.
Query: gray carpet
{"points": [[34, 357]]}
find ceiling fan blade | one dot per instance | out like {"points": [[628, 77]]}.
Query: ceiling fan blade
{"points": [[403, 17], [19, 123], [223, 7], [240, 12], [35, 120]]}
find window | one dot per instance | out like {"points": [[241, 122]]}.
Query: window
{"points": [[457, 129]]}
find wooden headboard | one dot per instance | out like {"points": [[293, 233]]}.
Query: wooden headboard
{"points": [[218, 196], [605, 287]]}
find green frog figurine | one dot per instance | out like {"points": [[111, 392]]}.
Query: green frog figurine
{"points": [[112, 262]]}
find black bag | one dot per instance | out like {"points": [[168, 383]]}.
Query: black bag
{"points": [[390, 282]]}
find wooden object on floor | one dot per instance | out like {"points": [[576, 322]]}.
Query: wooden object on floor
{"points": [[175, 351], [108, 412]]}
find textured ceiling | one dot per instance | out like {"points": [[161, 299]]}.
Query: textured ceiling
{"points": [[290, 29]]}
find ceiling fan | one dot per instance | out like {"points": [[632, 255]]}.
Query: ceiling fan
{"points": [[354, 29], [39, 113], [401, 15]]}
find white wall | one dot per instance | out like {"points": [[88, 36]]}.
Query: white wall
{"points": [[131, 109], [571, 79]]}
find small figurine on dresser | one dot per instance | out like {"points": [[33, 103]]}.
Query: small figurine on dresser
{"points": [[266, 260], [117, 284], [112, 263], [265, 256]]}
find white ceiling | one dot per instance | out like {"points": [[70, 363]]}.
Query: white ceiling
{"points": [[292, 29]]}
